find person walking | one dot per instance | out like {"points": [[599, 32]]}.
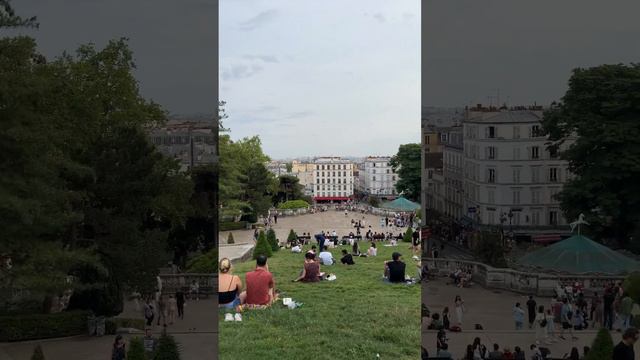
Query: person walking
{"points": [[149, 311], [608, 300], [162, 310], [180, 301], [531, 309], [626, 305], [551, 326], [172, 309], [595, 315], [459, 306], [275, 218], [541, 326], [518, 316], [566, 315]]}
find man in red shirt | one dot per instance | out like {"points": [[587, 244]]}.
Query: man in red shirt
{"points": [[260, 285]]}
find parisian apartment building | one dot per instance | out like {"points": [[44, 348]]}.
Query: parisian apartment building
{"points": [[333, 179], [377, 177], [494, 167], [191, 142]]}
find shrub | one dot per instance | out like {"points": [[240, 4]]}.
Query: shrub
{"points": [[230, 225], [251, 218], [136, 349], [631, 286], [37, 353], [490, 250], [262, 247], [293, 204], [292, 236], [374, 201], [230, 239], [42, 326], [206, 263], [167, 349], [408, 235], [272, 240], [602, 347]]}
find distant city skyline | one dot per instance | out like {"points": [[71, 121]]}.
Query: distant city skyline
{"points": [[321, 78]]}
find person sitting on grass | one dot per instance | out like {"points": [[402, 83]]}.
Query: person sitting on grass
{"points": [[229, 286], [394, 270], [310, 270], [372, 250], [296, 249], [260, 286], [354, 250], [326, 258], [347, 259]]}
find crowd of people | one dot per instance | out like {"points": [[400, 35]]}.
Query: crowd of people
{"points": [[570, 311]]}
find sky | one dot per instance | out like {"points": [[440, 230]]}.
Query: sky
{"points": [[172, 42], [526, 49], [318, 78]]}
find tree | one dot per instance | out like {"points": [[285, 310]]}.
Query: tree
{"points": [[289, 188], [289, 166], [37, 353], [600, 109], [167, 348], [262, 246], [136, 349], [374, 201], [9, 19], [272, 240], [631, 286], [489, 249], [406, 164], [602, 347], [258, 186], [408, 235], [292, 237], [230, 239]]}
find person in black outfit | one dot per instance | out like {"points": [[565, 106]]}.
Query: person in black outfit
{"points": [[624, 349], [531, 308], [608, 300], [180, 300], [394, 270], [347, 259]]}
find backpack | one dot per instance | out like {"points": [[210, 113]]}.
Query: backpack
{"points": [[148, 311], [543, 322]]}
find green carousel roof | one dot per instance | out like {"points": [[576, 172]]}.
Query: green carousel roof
{"points": [[401, 204], [580, 255]]}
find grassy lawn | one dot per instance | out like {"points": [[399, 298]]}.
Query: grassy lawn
{"points": [[354, 317]]}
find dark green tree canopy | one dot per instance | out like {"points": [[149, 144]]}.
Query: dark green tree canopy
{"points": [[406, 163]]}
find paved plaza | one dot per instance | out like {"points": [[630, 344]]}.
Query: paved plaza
{"points": [[493, 310], [197, 335], [310, 223]]}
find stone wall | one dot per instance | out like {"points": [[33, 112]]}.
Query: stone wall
{"points": [[539, 284]]}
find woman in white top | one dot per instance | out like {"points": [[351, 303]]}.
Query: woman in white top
{"points": [[372, 250], [541, 325], [459, 305], [551, 326]]}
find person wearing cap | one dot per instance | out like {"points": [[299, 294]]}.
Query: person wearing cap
{"points": [[624, 349], [394, 270]]}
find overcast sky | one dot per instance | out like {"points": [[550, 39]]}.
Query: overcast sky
{"points": [[526, 49], [331, 77], [171, 40]]}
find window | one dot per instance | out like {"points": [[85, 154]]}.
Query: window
{"points": [[535, 217], [491, 175], [535, 152], [516, 175], [318, 174], [535, 174], [553, 153], [516, 197], [334, 173], [374, 178], [535, 131], [490, 132], [516, 132], [393, 178], [553, 174], [374, 171], [553, 217], [426, 141], [323, 181], [516, 153], [535, 196], [387, 171], [491, 152]]}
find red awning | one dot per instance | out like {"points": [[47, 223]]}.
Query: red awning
{"points": [[546, 238], [331, 198]]}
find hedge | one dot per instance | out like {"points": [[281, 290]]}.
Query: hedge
{"points": [[206, 263], [293, 204], [42, 326], [230, 225]]}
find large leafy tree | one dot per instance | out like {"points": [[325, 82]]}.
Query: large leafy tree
{"points": [[8, 17], [406, 164], [601, 110], [289, 188]]}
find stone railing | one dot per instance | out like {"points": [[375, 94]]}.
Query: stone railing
{"points": [[208, 283], [540, 284]]}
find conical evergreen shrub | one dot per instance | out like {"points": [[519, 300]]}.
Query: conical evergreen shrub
{"points": [[293, 237], [272, 240], [230, 239], [408, 235], [37, 353], [602, 347], [167, 349], [136, 349], [262, 247]]}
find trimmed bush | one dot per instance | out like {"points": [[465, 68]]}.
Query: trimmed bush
{"points": [[230, 239], [167, 349], [206, 263], [272, 240], [37, 353], [602, 347], [408, 235], [42, 326], [230, 225], [136, 349], [631, 286], [292, 236], [293, 204], [250, 218], [262, 246]]}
